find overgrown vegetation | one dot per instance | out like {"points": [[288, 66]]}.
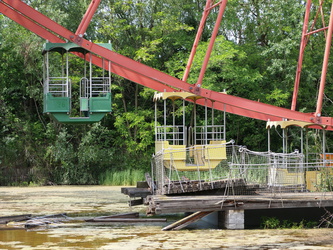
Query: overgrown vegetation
{"points": [[254, 57], [275, 223], [122, 178]]}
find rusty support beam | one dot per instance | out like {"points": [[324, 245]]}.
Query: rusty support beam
{"points": [[145, 75], [197, 39], [86, 20], [301, 54], [325, 65], [223, 5]]}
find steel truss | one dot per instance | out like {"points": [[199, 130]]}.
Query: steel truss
{"points": [[144, 75]]}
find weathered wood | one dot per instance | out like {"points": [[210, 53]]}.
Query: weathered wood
{"points": [[129, 220], [36, 224], [142, 184], [6, 219], [192, 186], [136, 192], [135, 202], [123, 215], [187, 220], [150, 182], [45, 220], [159, 204], [50, 216]]}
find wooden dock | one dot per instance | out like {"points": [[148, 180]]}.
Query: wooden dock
{"points": [[220, 195], [163, 204], [229, 199]]}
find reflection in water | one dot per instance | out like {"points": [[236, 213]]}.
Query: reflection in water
{"points": [[85, 201]]}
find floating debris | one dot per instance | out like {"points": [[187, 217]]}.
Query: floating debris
{"points": [[22, 217], [45, 220], [127, 217]]}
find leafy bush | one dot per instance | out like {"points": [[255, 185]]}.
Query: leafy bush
{"points": [[274, 223]]}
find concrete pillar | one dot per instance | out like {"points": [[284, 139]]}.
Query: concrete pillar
{"points": [[232, 219]]}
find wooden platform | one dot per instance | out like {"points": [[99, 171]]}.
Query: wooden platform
{"points": [[162, 204], [141, 191], [195, 186]]}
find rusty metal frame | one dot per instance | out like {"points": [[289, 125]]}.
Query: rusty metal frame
{"points": [[87, 18], [304, 39], [143, 74]]}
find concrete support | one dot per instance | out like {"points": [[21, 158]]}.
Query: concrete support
{"points": [[232, 219]]}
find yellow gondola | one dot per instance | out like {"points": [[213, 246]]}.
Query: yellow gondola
{"points": [[174, 142]]}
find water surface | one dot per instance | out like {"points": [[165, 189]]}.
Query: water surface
{"points": [[88, 201]]}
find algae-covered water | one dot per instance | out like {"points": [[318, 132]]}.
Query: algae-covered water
{"points": [[89, 201]]}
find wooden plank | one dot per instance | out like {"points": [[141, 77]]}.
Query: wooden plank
{"points": [[135, 202], [174, 204], [22, 217], [36, 224], [129, 220], [45, 220], [50, 216], [254, 206], [262, 196], [142, 184], [190, 186], [187, 220], [136, 192], [123, 215]]}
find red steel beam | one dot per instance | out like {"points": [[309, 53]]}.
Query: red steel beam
{"points": [[47, 35], [325, 65], [301, 54], [29, 24], [316, 31], [223, 5], [24, 9], [197, 39], [25, 22], [155, 79], [86, 19]]}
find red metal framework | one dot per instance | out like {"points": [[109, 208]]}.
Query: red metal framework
{"points": [[152, 78], [86, 19], [305, 37]]}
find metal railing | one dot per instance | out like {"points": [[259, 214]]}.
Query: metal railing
{"points": [[181, 135], [58, 86], [176, 135], [96, 87], [204, 134], [245, 171]]}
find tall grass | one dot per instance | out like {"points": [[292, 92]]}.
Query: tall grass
{"points": [[122, 178]]}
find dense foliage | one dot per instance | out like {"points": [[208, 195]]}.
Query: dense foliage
{"points": [[254, 57]]}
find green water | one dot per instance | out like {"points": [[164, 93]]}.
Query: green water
{"points": [[87, 201]]}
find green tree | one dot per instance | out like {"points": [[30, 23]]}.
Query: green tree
{"points": [[254, 57]]}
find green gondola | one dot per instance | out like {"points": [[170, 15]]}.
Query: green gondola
{"points": [[94, 92]]}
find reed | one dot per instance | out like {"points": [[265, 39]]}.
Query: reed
{"points": [[122, 178]]}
